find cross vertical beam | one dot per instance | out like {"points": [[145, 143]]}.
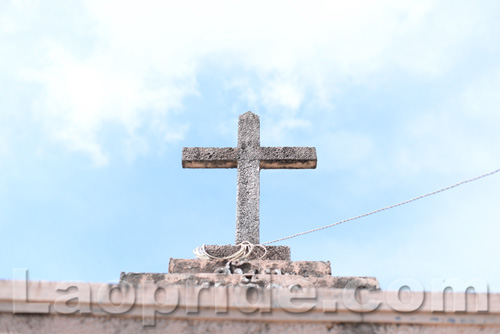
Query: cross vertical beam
{"points": [[248, 182]]}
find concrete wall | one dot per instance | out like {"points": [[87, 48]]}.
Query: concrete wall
{"points": [[67, 307]]}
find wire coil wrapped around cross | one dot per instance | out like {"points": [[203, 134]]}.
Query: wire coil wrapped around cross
{"points": [[246, 249]]}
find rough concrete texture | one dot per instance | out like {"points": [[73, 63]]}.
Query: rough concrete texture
{"points": [[247, 202], [77, 324], [248, 179], [268, 281], [209, 157], [302, 268], [288, 157], [80, 307], [249, 158], [273, 252], [270, 157]]}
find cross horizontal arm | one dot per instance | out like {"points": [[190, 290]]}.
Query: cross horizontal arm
{"points": [[209, 157], [288, 157]]}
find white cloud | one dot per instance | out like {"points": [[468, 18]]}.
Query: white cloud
{"points": [[282, 92], [143, 59], [82, 97], [459, 135]]}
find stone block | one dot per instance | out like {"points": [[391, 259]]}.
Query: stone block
{"points": [[273, 252], [269, 281], [302, 268]]}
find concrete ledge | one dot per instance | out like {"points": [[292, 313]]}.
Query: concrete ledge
{"points": [[79, 307], [79, 324], [303, 268], [273, 252], [261, 280]]}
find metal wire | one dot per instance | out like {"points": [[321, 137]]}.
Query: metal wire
{"points": [[386, 208]]}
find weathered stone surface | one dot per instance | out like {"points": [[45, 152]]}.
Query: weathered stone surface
{"points": [[249, 158], [258, 280], [209, 157], [303, 268], [288, 157], [260, 273], [84, 324], [247, 202], [273, 252], [270, 157], [80, 307]]}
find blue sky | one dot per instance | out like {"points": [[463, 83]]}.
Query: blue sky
{"points": [[98, 98]]}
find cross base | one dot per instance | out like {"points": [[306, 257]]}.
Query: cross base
{"points": [[273, 252], [302, 268], [256, 273]]}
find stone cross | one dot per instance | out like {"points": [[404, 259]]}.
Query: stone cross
{"points": [[249, 157]]}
